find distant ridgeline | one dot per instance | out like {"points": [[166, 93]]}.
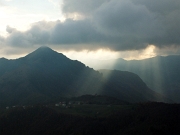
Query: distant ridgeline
{"points": [[45, 76], [161, 74]]}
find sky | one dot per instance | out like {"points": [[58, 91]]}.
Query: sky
{"points": [[91, 29]]}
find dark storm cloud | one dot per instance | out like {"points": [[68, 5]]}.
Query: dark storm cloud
{"points": [[36, 35], [160, 6], [58, 33], [86, 7], [74, 32], [136, 22], [114, 24]]}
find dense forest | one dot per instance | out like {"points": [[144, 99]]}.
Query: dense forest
{"points": [[92, 119]]}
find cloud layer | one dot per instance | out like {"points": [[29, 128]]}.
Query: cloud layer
{"points": [[112, 24]]}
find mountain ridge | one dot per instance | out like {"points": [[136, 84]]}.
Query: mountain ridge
{"points": [[160, 73], [45, 75]]}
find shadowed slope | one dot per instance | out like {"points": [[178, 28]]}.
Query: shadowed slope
{"points": [[45, 75], [161, 74], [128, 87]]}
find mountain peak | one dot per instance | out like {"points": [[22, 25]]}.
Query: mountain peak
{"points": [[44, 49], [45, 53]]}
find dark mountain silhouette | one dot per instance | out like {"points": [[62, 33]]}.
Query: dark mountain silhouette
{"points": [[126, 85], [45, 75], [160, 73]]}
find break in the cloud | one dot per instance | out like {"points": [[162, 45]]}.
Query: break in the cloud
{"points": [[111, 24]]}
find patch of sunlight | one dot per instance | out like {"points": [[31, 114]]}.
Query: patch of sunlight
{"points": [[93, 58], [148, 52]]}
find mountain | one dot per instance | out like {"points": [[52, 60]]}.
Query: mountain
{"points": [[160, 73], [46, 75], [128, 87]]}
